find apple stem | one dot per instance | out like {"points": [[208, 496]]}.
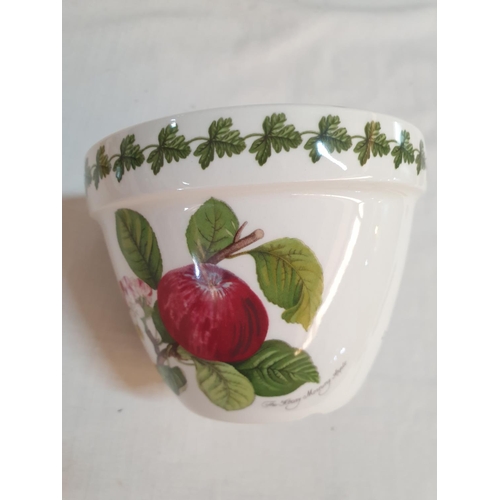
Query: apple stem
{"points": [[238, 244], [169, 351]]}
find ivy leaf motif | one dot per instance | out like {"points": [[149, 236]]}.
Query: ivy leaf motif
{"points": [[130, 157], [88, 174], [374, 142], [170, 147], [404, 151], [330, 137], [102, 166], [420, 158], [276, 136], [222, 140]]}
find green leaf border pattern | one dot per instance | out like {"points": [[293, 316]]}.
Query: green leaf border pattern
{"points": [[276, 136]]}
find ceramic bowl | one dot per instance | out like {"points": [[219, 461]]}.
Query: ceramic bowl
{"points": [[259, 249]]}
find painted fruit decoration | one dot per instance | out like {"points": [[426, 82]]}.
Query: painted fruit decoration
{"points": [[208, 319], [212, 313]]}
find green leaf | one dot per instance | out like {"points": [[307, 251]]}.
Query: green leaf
{"points": [[174, 378], [421, 158], [102, 166], [277, 369], [88, 174], [223, 384], [170, 147], [374, 142], [291, 277], [130, 156], [139, 246], [160, 327], [222, 140], [102, 163], [277, 136], [211, 228], [96, 178], [184, 355], [330, 137], [404, 151]]}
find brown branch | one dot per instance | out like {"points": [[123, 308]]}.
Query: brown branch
{"points": [[168, 352], [162, 356], [237, 245], [151, 337]]}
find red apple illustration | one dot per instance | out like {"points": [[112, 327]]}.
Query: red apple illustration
{"points": [[212, 313]]}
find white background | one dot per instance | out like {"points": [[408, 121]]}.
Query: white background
{"points": [[125, 436]]}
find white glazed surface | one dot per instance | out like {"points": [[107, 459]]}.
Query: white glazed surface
{"points": [[126, 436], [357, 221]]}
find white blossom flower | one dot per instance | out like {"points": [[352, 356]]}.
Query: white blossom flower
{"points": [[138, 295]]}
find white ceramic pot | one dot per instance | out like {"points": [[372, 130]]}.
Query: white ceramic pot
{"points": [[260, 249]]}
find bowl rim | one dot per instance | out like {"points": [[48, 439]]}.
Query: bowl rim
{"points": [[327, 143], [242, 107]]}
